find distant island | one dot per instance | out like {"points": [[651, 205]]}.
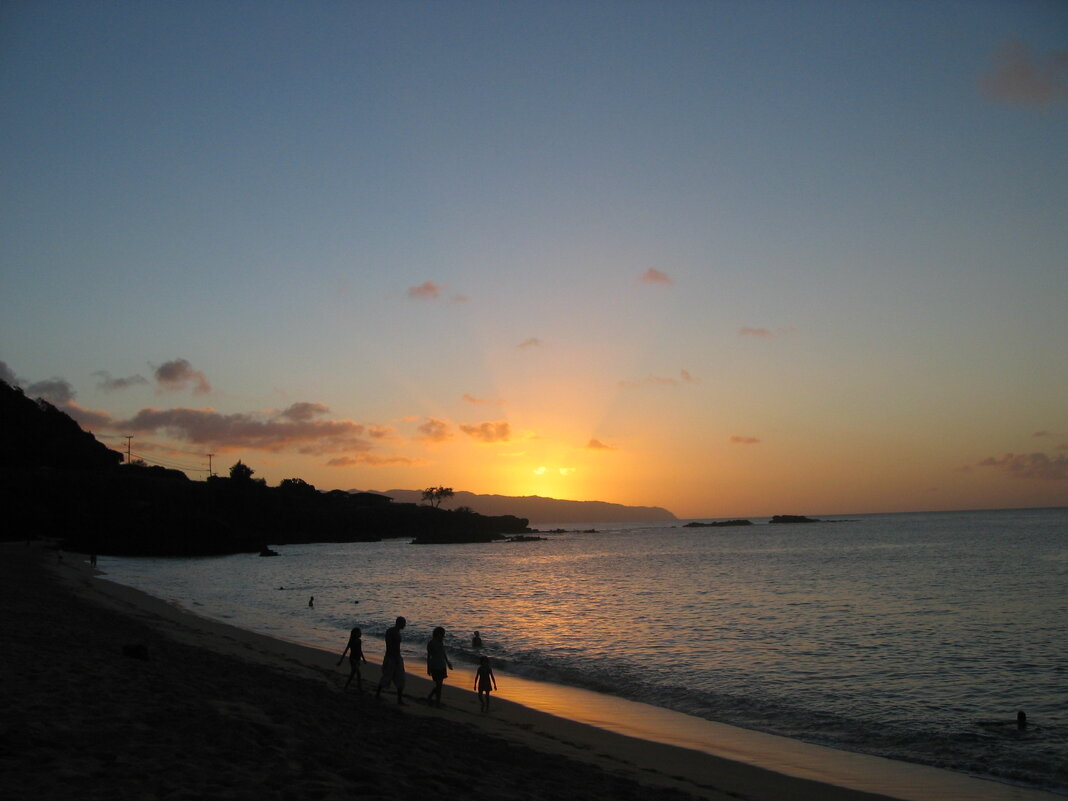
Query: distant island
{"points": [[537, 509], [791, 519], [719, 524]]}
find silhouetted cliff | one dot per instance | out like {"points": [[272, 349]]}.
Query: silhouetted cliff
{"points": [[35, 434], [57, 481]]}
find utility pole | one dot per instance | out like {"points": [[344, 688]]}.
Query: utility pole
{"points": [[210, 474], [128, 438]]}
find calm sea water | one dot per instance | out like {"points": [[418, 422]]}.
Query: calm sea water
{"points": [[897, 635]]}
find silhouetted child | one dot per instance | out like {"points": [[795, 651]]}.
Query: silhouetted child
{"points": [[476, 641], [355, 652], [311, 602], [484, 679], [437, 664]]}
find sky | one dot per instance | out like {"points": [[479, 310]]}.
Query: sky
{"points": [[729, 258]]}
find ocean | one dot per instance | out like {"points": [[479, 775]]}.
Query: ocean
{"points": [[911, 636]]}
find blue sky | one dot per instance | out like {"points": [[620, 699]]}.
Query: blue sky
{"points": [[767, 253]]}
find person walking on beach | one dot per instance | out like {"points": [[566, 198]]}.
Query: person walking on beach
{"points": [[484, 678], [437, 664], [393, 662], [355, 652]]}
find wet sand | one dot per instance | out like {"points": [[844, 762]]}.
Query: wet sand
{"points": [[198, 709]]}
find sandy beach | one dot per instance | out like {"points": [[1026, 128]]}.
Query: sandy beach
{"points": [[110, 693]]}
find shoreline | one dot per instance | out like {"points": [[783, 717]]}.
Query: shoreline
{"points": [[713, 762]]}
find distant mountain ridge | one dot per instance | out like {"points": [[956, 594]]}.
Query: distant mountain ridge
{"points": [[537, 509]]}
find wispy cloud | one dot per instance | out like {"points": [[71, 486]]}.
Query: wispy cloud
{"points": [[483, 401], [178, 374], [434, 430], [497, 431], [304, 411], [655, 380], [249, 430], [60, 393], [737, 439], [1022, 78], [654, 276], [428, 290], [381, 432], [533, 342], [54, 390], [371, 459], [7, 375], [596, 445], [1037, 466], [759, 333], [109, 384]]}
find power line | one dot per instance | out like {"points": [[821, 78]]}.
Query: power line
{"points": [[170, 464]]}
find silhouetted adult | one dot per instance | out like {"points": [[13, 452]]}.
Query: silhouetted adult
{"points": [[437, 664], [393, 662], [476, 641]]}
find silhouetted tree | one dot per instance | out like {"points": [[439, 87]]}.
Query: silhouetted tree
{"points": [[435, 495], [241, 471], [297, 486]]}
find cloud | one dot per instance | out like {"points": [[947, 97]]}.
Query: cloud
{"points": [[109, 384], [178, 374], [1036, 466], [498, 431], [759, 333], [381, 432], [91, 419], [303, 411], [248, 431], [371, 459], [1042, 434], [55, 390], [428, 290], [737, 439], [60, 394], [434, 430], [654, 276], [1023, 79], [533, 342], [656, 380], [566, 471], [7, 375], [597, 445], [483, 401]]}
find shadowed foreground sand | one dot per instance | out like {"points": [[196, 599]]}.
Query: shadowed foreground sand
{"points": [[216, 712]]}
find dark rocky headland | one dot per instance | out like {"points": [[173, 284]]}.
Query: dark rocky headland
{"points": [[60, 482]]}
